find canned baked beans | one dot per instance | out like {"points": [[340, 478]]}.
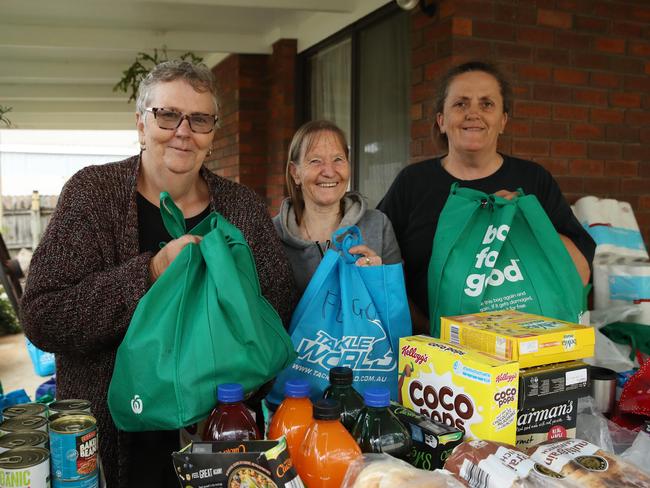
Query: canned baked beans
{"points": [[74, 445]]}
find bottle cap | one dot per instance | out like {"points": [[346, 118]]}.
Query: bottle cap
{"points": [[341, 375], [376, 397], [328, 409], [296, 389], [230, 393]]}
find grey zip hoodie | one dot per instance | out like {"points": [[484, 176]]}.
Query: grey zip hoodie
{"points": [[305, 256]]}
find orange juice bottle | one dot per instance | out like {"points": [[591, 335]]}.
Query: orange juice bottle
{"points": [[327, 449], [293, 416]]}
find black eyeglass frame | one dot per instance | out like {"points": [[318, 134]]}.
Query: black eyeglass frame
{"points": [[155, 110]]}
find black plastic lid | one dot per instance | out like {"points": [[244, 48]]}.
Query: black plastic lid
{"points": [[598, 373], [341, 375], [328, 409]]}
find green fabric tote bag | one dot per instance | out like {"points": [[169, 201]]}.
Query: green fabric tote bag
{"points": [[203, 322], [490, 253]]}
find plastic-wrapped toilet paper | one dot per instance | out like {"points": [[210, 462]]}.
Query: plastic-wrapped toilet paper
{"points": [[623, 284]]}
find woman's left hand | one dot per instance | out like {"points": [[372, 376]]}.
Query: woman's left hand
{"points": [[369, 257]]}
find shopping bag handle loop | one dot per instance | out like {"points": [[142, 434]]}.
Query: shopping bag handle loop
{"points": [[345, 238]]}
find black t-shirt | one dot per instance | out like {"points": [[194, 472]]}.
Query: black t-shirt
{"points": [[151, 229], [417, 196], [151, 462]]}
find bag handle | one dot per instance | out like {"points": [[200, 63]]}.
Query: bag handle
{"points": [[172, 216], [345, 238]]}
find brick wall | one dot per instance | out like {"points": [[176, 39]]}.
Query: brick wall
{"points": [[581, 77], [257, 108]]}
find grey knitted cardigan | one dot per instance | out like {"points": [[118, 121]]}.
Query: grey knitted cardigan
{"points": [[87, 276]]}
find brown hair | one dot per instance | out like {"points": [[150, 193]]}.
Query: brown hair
{"points": [[443, 90], [303, 140]]}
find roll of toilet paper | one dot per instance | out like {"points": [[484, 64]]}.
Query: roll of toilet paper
{"points": [[620, 284]]}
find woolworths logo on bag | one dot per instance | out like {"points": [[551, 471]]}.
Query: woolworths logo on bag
{"points": [[487, 258]]}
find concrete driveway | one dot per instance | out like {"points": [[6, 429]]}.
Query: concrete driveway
{"points": [[16, 370]]}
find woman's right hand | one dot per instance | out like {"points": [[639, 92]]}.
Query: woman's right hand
{"points": [[161, 261]]}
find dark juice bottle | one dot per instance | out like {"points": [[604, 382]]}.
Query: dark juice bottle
{"points": [[341, 389], [230, 420], [378, 430]]}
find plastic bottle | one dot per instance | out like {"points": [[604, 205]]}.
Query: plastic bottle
{"points": [[293, 416], [378, 430], [230, 420], [327, 449], [341, 389]]}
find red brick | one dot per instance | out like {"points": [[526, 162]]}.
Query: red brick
{"points": [[513, 51], [641, 14], [423, 55], [554, 166], [532, 109], [637, 151], [570, 184], [627, 29], [473, 48], [601, 186], [622, 133], [644, 202], [612, 10], [646, 68], [518, 128], [591, 60], [637, 84], [572, 40], [550, 130], [554, 18], [552, 93], [570, 112], [557, 57], [515, 14], [534, 72], [590, 97], [591, 24], [586, 131], [416, 111], [586, 167], [610, 45], [570, 76], [604, 150], [439, 32], [420, 129], [422, 92], [607, 116], [637, 117], [493, 30], [478, 8], [605, 80], [644, 169], [621, 64], [628, 100], [568, 149], [531, 147], [644, 135], [534, 35], [461, 27], [639, 48], [621, 168], [634, 186]]}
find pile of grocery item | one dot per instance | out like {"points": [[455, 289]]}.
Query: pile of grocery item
{"points": [[43, 446]]}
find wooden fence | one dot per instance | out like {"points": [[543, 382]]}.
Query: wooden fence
{"points": [[24, 219]]}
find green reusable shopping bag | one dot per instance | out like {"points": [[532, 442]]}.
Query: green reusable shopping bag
{"points": [[203, 322], [490, 253]]}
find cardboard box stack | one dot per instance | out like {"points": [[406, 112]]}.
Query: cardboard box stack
{"points": [[551, 379]]}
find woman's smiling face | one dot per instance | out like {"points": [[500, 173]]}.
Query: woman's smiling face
{"points": [[473, 115], [179, 150], [323, 171]]}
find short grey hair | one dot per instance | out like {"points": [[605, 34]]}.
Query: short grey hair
{"points": [[197, 75]]}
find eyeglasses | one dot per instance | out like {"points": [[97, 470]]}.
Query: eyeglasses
{"points": [[171, 120]]}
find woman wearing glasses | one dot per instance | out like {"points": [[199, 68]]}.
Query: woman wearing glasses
{"points": [[100, 254]]}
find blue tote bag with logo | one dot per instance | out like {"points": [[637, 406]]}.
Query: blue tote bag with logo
{"points": [[348, 316]]}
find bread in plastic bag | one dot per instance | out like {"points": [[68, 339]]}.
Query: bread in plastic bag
{"points": [[489, 464], [385, 471]]}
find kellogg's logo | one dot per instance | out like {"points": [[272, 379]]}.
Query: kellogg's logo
{"points": [[505, 377], [412, 352], [569, 342]]}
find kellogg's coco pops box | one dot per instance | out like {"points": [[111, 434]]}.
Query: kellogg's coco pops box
{"points": [[467, 389]]}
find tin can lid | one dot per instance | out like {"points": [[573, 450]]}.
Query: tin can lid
{"points": [[23, 457]]}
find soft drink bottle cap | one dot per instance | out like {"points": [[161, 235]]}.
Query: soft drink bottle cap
{"points": [[328, 409], [376, 397], [341, 375], [230, 392], [296, 389]]}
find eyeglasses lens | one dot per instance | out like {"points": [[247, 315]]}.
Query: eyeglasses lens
{"points": [[200, 123]]}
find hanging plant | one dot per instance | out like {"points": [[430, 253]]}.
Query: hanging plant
{"points": [[3, 117], [143, 64]]}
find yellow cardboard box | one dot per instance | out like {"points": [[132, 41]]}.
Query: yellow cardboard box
{"points": [[532, 340], [470, 390]]}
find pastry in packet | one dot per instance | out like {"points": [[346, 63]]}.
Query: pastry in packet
{"points": [[385, 471], [588, 465]]}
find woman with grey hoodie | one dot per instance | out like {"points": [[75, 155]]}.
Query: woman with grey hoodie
{"points": [[317, 177]]}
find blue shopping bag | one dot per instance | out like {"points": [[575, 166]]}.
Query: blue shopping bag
{"points": [[43, 361], [348, 316]]}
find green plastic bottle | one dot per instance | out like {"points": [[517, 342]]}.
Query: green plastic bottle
{"points": [[341, 389], [378, 430]]}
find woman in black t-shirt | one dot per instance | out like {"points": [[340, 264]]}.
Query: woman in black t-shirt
{"points": [[472, 107]]}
